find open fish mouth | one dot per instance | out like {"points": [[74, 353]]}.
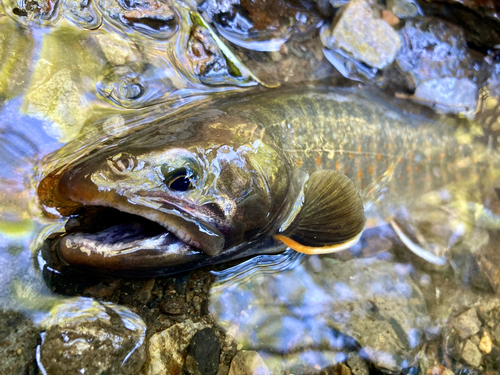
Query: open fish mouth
{"points": [[110, 239], [107, 238]]}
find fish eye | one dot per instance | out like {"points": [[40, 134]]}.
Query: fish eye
{"points": [[124, 162], [179, 180]]}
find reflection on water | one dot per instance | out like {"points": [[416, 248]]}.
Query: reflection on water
{"points": [[77, 73]]}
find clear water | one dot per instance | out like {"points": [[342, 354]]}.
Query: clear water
{"points": [[81, 75]]}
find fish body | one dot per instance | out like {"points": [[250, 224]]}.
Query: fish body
{"points": [[297, 165]]}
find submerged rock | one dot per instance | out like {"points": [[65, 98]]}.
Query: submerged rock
{"points": [[432, 49], [449, 94], [167, 348], [363, 306], [203, 353], [18, 340], [364, 36], [84, 336], [248, 362]]}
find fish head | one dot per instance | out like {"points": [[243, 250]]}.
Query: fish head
{"points": [[214, 190]]}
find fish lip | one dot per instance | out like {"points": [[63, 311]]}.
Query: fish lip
{"points": [[197, 233]]}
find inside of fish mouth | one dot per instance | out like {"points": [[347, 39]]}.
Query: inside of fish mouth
{"points": [[103, 228]]}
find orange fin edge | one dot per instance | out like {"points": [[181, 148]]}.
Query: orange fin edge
{"points": [[311, 250]]}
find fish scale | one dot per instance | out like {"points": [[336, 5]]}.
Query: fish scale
{"points": [[377, 146]]}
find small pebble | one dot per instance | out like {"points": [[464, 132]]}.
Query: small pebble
{"points": [[485, 343], [173, 307], [19, 351]]}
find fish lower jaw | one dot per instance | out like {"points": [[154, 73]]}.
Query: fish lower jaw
{"points": [[163, 219]]}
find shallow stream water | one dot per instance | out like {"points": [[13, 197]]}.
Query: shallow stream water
{"points": [[73, 75]]}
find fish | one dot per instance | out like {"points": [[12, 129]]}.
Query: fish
{"points": [[271, 168]]}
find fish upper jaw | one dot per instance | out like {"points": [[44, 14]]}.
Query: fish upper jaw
{"points": [[188, 228]]}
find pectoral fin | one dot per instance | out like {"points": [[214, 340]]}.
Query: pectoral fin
{"points": [[331, 217]]}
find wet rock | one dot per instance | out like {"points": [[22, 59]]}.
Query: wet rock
{"points": [[433, 49], [148, 17], [261, 25], [37, 11], [467, 324], [485, 344], [123, 84], [404, 8], [84, 336], [223, 370], [18, 340], [478, 18], [167, 348], [173, 306], [364, 305], [16, 48], [205, 57], [449, 94], [471, 354], [364, 36], [439, 370], [488, 260], [248, 362], [203, 353], [358, 366], [83, 12]]}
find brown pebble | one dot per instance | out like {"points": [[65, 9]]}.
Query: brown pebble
{"points": [[390, 18], [173, 307]]}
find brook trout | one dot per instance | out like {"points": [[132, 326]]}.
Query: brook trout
{"points": [[295, 165]]}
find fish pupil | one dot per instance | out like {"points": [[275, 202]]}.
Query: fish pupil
{"points": [[179, 180]]}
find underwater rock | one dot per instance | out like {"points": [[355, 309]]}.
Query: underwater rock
{"points": [[83, 13], [18, 340], [404, 8], [467, 324], [361, 34], [261, 25], [479, 18], [432, 49], [248, 362], [358, 366], [203, 353], [84, 336], [363, 305], [45, 12], [173, 306], [449, 94], [153, 18], [206, 58], [16, 49], [167, 348], [471, 354]]}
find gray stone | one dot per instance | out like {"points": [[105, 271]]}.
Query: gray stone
{"points": [[203, 353], [167, 348], [449, 94], [358, 366], [84, 336], [432, 48], [367, 38], [404, 8], [248, 362], [471, 354], [466, 324]]}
